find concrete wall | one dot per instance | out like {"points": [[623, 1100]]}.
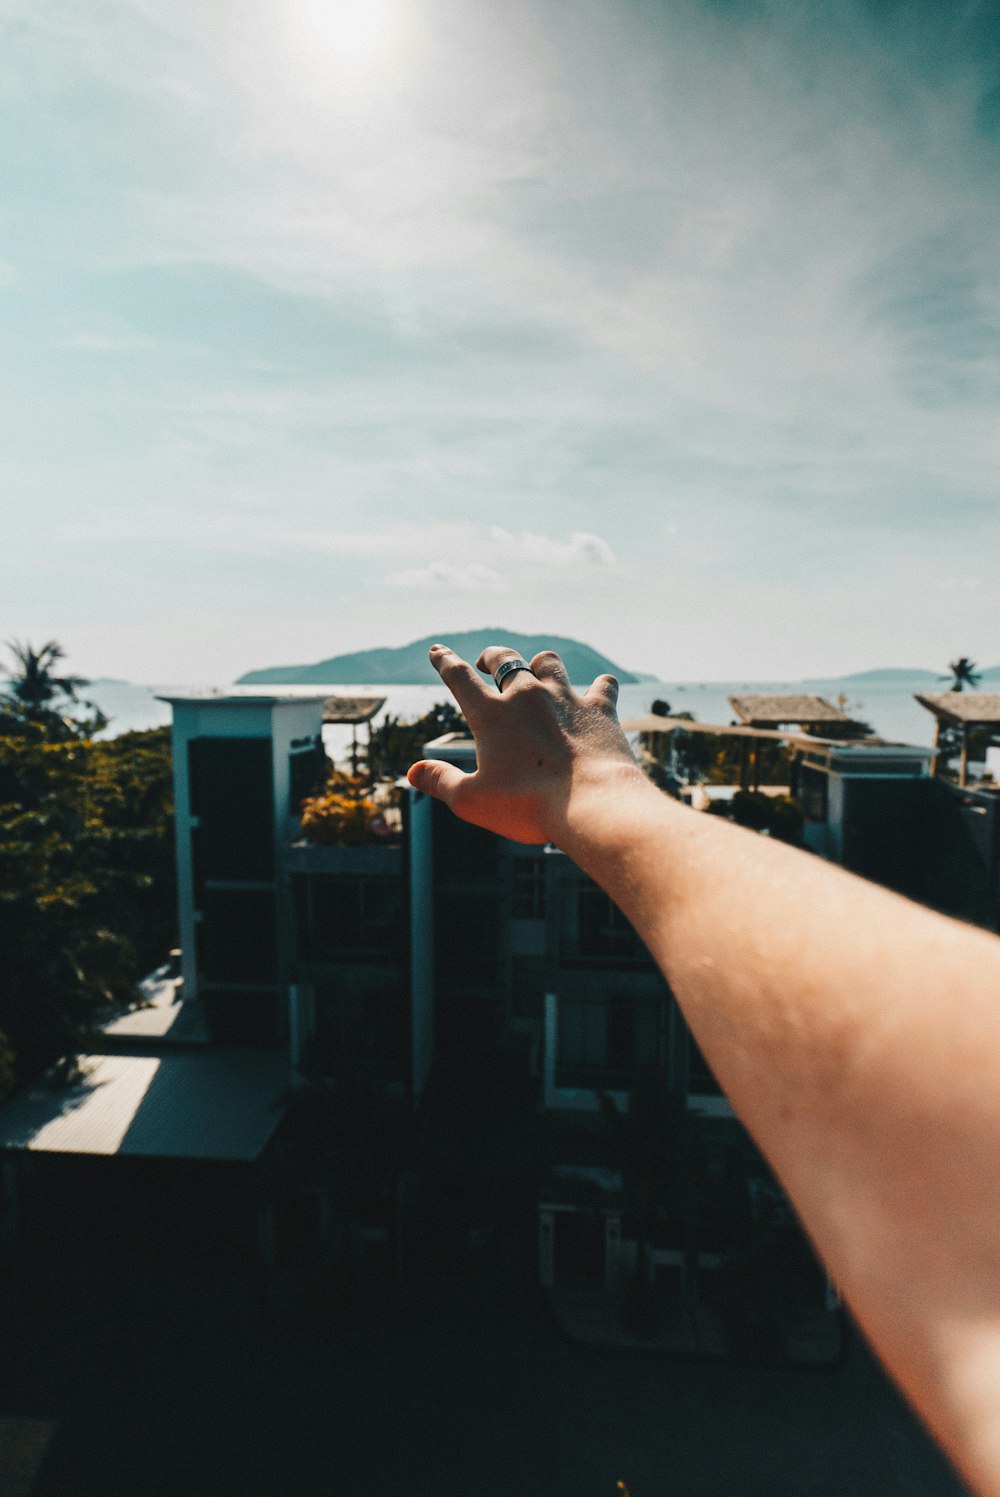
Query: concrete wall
{"points": [[281, 722], [421, 937]]}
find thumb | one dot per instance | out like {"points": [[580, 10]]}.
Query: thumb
{"points": [[435, 777]]}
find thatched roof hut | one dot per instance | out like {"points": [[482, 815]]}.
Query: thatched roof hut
{"points": [[965, 710], [781, 710]]}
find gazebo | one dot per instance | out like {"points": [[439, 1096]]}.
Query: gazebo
{"points": [[350, 711], [803, 711], [965, 710], [795, 720], [749, 737]]}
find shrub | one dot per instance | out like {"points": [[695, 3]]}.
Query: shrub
{"points": [[341, 815]]}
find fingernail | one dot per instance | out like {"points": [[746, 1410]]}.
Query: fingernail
{"points": [[436, 649]]}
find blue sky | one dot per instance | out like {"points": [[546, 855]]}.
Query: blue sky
{"points": [[674, 327]]}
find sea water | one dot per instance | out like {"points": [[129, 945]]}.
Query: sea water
{"points": [[890, 709]]}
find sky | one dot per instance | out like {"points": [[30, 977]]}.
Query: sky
{"points": [[669, 325]]}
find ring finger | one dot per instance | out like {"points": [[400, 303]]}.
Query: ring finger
{"points": [[494, 656]]}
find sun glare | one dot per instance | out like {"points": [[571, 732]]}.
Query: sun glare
{"points": [[346, 33]]}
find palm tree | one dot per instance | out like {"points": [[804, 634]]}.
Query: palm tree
{"points": [[37, 699], [34, 683], [963, 673]]}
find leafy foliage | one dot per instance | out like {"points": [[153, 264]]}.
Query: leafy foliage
{"points": [[718, 758], [341, 815], [86, 882], [778, 815], [396, 743], [963, 673], [37, 704]]}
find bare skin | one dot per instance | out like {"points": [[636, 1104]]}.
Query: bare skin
{"points": [[856, 1035]]}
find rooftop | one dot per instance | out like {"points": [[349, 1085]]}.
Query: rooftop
{"points": [[774, 711], [351, 709], [189, 1104], [973, 708], [649, 722], [216, 696], [165, 1015], [457, 748]]}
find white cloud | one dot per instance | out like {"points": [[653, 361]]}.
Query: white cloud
{"points": [[441, 574], [582, 547], [708, 286]]}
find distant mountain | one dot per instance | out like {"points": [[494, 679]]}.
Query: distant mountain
{"points": [[408, 665], [891, 677], [933, 680]]}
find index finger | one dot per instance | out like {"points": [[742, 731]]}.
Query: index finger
{"points": [[465, 685]]}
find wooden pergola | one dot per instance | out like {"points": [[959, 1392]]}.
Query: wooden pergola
{"points": [[749, 737], [967, 711], [787, 710], [648, 722], [351, 711]]}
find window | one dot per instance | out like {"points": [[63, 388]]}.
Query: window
{"points": [[232, 794], [348, 913], [601, 930], [528, 888], [602, 1042], [813, 786], [307, 766]]}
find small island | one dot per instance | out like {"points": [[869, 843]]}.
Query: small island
{"points": [[408, 665]]}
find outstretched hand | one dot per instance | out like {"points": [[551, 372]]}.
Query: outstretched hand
{"points": [[540, 746]]}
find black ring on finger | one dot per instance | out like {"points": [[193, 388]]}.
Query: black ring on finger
{"points": [[508, 667]]}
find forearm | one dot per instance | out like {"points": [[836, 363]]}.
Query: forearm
{"points": [[827, 1008], [856, 1035]]}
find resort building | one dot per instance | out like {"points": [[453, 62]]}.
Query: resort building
{"points": [[381, 1027]]}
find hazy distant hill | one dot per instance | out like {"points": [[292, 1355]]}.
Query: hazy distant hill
{"points": [[892, 677], [930, 680], [409, 666]]}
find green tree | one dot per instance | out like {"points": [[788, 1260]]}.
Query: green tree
{"points": [[86, 883], [963, 673], [779, 815], [38, 700], [397, 743]]}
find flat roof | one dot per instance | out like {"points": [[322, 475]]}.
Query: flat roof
{"points": [[209, 1104], [165, 1014], [772, 711], [210, 696], [451, 746], [974, 708]]}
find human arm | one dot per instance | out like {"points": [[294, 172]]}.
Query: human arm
{"points": [[856, 1034]]}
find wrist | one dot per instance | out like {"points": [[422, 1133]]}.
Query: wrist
{"points": [[608, 805]]}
